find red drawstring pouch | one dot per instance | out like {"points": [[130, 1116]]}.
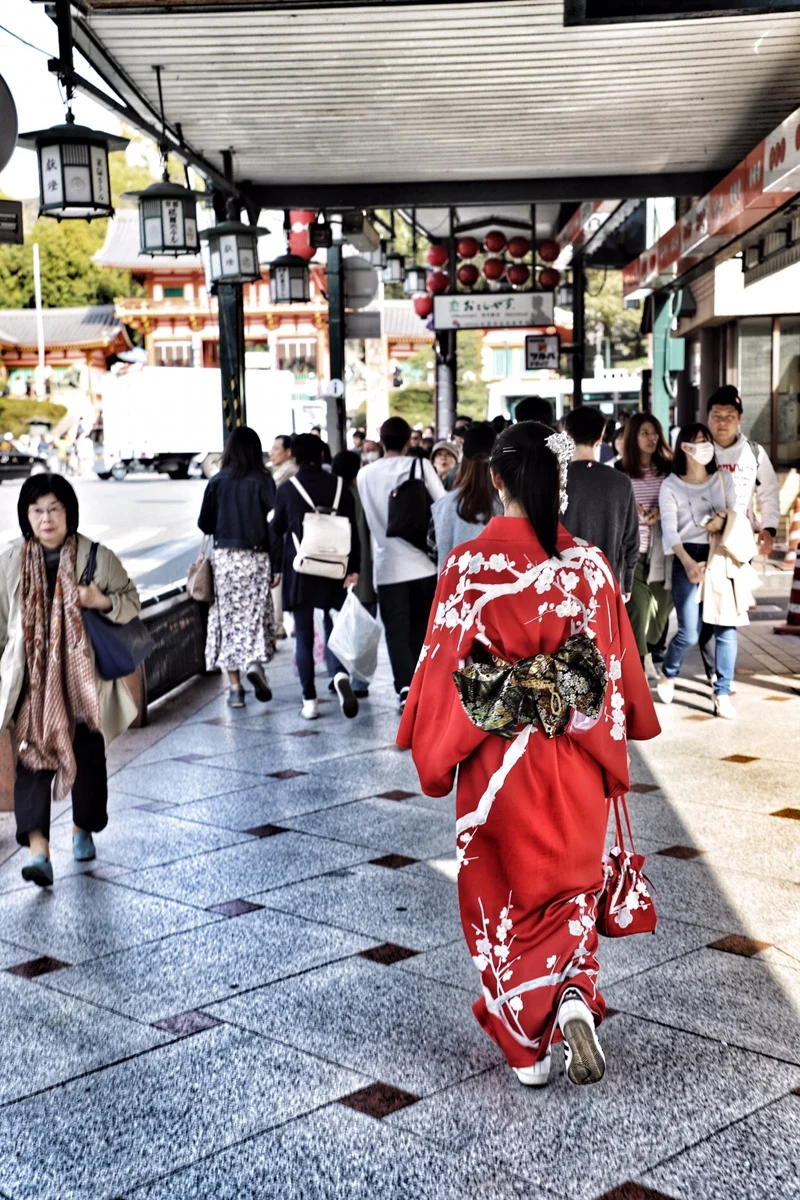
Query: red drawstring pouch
{"points": [[625, 905]]}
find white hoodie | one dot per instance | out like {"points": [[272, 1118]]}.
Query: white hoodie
{"points": [[751, 475]]}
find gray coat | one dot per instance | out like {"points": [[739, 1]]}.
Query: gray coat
{"points": [[451, 529]]}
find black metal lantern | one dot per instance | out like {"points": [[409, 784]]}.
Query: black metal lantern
{"points": [[167, 219], [395, 269], [73, 170], [415, 280], [289, 280], [378, 256], [233, 251]]}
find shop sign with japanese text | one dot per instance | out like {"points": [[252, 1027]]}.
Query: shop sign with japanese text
{"points": [[493, 311]]}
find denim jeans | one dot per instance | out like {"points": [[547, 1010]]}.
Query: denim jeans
{"points": [[304, 642], [690, 622]]}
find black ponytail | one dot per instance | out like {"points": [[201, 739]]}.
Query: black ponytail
{"points": [[530, 475]]}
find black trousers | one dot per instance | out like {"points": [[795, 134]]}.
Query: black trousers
{"points": [[32, 790], [405, 609]]}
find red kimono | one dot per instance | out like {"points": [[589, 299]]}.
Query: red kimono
{"points": [[531, 811]]}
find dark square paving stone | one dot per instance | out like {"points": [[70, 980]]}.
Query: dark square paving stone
{"points": [[379, 1100], [265, 831], [287, 774], [38, 966], [699, 717], [235, 908], [735, 944], [387, 954], [153, 1115], [792, 814], [154, 806], [187, 1024], [739, 758], [393, 862], [682, 852], [642, 789], [304, 733], [633, 1191], [395, 794]]}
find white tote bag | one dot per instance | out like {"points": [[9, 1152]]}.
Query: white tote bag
{"points": [[325, 548], [355, 638]]}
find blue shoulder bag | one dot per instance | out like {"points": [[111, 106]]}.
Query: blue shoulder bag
{"points": [[118, 649]]}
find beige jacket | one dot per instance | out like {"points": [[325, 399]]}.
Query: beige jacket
{"points": [[729, 580], [117, 708]]}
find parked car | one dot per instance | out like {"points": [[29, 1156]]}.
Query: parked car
{"points": [[14, 464]]}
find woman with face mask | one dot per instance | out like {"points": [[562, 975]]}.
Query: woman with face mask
{"points": [[693, 503]]}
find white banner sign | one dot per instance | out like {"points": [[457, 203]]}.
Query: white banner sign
{"points": [[504, 310], [541, 352]]}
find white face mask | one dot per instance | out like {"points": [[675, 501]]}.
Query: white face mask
{"points": [[701, 452], [371, 456]]}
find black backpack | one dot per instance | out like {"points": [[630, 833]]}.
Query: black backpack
{"points": [[409, 509]]}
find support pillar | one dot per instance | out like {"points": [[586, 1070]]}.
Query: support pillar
{"points": [[663, 391], [336, 404], [446, 363], [230, 303], [578, 330]]}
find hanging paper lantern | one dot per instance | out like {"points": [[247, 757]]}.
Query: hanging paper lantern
{"points": [[495, 241], [549, 250], [468, 275], [549, 278], [494, 268], [437, 283], [423, 306], [518, 274], [437, 256], [518, 247], [299, 243], [468, 247]]}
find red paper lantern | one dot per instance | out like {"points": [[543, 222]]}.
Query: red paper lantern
{"points": [[518, 247], [549, 277], [423, 306], [468, 275], [494, 268], [549, 250], [495, 241], [437, 283], [298, 235], [518, 274], [468, 247], [437, 256]]}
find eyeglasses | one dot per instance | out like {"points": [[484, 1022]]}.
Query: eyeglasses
{"points": [[39, 514]]}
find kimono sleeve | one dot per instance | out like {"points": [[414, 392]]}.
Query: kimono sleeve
{"points": [[642, 722], [435, 726]]}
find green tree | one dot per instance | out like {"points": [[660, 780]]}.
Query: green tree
{"points": [[606, 318]]}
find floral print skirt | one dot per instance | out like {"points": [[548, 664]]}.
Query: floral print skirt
{"points": [[241, 621]]}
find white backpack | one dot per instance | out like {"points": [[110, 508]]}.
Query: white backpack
{"points": [[325, 548]]}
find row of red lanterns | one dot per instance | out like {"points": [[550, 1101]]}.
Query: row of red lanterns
{"points": [[494, 268]]}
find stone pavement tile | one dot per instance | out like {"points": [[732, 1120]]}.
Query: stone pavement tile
{"points": [[201, 739], [83, 918], [416, 907], [371, 1019], [10, 955], [451, 964], [337, 1154], [663, 1090], [665, 821], [623, 957], [737, 1000], [730, 901], [140, 839], [58, 1037], [767, 846], [386, 825], [103, 1135], [190, 970], [179, 782], [344, 742], [750, 1160], [240, 871]]}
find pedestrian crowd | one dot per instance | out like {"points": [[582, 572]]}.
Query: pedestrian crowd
{"points": [[523, 578]]}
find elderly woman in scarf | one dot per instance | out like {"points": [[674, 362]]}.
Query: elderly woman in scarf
{"points": [[61, 714]]}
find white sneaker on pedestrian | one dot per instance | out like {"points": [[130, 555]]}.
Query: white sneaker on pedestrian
{"points": [[665, 689], [536, 1076], [584, 1058], [310, 710], [723, 707], [344, 691], [403, 697]]}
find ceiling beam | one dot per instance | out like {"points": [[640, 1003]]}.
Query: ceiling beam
{"points": [[422, 193]]}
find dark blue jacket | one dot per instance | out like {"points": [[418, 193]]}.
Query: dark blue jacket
{"points": [[301, 591], [235, 510]]}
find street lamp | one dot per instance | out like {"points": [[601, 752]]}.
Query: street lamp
{"points": [[233, 252], [395, 269], [167, 218], [73, 170], [415, 280], [289, 280]]}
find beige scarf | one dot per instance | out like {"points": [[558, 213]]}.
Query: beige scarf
{"points": [[61, 689]]}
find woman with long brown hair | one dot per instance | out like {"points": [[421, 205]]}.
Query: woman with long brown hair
{"points": [[465, 511], [647, 461]]}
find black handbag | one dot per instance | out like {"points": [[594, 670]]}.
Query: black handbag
{"points": [[118, 649], [410, 509]]}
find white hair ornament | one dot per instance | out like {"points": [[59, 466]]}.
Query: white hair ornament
{"points": [[563, 447]]}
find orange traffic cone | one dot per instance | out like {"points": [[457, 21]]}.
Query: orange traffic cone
{"points": [[793, 616], [794, 537]]}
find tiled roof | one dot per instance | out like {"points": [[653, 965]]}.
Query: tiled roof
{"points": [[121, 248], [402, 323], [62, 326]]}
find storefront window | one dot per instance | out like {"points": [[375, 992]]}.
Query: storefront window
{"points": [[789, 391], [755, 378]]}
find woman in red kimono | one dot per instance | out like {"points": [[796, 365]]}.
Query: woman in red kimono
{"points": [[530, 683]]}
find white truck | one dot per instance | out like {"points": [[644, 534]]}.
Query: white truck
{"points": [[170, 418]]}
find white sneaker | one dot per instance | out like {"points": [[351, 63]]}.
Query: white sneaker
{"points": [[584, 1061], [723, 707], [310, 710], [344, 691], [403, 697], [536, 1076], [665, 689], [712, 679]]}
